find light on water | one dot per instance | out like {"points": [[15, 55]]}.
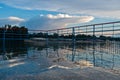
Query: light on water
{"points": [[79, 54], [77, 50]]}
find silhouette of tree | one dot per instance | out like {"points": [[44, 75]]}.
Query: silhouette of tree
{"points": [[13, 33]]}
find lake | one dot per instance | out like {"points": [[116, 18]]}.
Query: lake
{"points": [[105, 54]]}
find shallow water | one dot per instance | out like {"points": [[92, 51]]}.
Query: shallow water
{"points": [[85, 54]]}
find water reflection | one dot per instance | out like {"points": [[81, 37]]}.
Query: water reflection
{"points": [[84, 54], [96, 55], [87, 54], [12, 49]]}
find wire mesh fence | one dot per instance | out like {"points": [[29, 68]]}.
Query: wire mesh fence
{"points": [[97, 43]]}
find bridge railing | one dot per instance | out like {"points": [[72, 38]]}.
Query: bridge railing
{"points": [[94, 33], [91, 39]]}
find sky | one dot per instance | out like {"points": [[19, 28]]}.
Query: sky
{"points": [[54, 14]]}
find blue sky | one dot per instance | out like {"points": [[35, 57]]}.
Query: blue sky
{"points": [[50, 14]]}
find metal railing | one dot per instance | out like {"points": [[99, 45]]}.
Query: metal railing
{"points": [[101, 42], [95, 40]]}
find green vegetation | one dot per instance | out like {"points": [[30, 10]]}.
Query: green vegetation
{"points": [[12, 37], [77, 37], [20, 33], [13, 32]]}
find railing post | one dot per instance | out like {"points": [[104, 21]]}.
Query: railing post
{"points": [[73, 43], [58, 43], [4, 41], [113, 30], [102, 29], [47, 43], [73, 34], [93, 44], [57, 35]]}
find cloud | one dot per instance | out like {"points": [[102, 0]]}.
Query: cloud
{"points": [[59, 16], [11, 20], [55, 21], [92, 7]]}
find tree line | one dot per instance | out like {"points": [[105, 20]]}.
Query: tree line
{"points": [[20, 33], [13, 32], [12, 36], [77, 37]]}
